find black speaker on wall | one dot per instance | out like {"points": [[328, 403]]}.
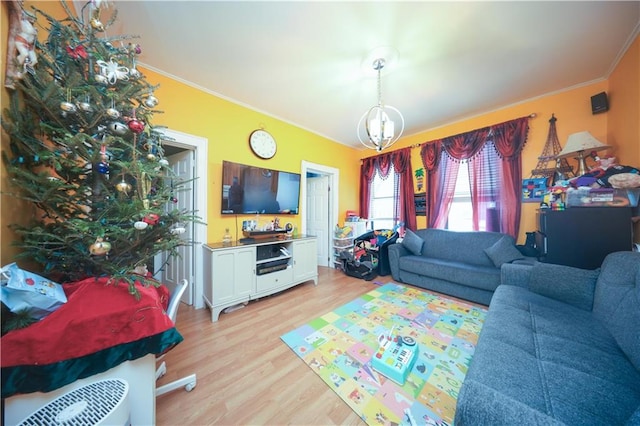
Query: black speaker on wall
{"points": [[599, 103]]}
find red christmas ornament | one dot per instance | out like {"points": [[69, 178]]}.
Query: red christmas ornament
{"points": [[136, 126], [151, 219], [77, 52]]}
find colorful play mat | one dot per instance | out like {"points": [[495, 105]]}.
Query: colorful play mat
{"points": [[339, 347]]}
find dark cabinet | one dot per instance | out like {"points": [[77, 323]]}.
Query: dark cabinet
{"points": [[583, 236]]}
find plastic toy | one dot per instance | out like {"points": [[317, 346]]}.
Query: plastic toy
{"points": [[395, 356]]}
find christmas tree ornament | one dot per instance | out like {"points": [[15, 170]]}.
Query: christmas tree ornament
{"points": [[77, 52], [135, 125], [112, 113], [113, 71], [133, 71], [141, 270], [135, 49], [85, 106], [123, 186], [150, 101], [100, 247], [101, 79], [103, 168], [152, 147], [96, 24], [178, 230], [68, 107], [140, 225], [151, 219], [163, 162], [118, 128]]}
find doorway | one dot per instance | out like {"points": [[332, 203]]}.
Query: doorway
{"points": [[188, 156], [319, 202]]}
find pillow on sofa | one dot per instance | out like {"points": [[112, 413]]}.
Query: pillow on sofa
{"points": [[412, 242], [570, 285], [503, 251]]}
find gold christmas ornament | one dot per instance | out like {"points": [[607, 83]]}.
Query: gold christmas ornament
{"points": [[113, 113], [123, 187], [100, 247], [68, 107]]}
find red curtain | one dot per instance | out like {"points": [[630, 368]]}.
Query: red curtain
{"points": [[367, 170], [401, 160], [466, 145], [494, 182], [406, 205], [509, 139]]}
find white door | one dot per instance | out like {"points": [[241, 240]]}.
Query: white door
{"points": [[318, 214], [181, 267]]}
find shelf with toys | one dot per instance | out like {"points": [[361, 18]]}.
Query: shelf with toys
{"points": [[343, 238]]}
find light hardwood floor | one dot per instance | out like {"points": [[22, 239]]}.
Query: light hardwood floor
{"points": [[246, 374]]}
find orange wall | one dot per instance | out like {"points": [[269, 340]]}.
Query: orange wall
{"points": [[619, 127], [573, 111], [624, 115], [227, 126], [624, 101]]}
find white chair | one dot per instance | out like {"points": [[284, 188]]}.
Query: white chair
{"points": [[188, 382]]}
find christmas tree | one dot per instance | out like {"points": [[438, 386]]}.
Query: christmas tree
{"points": [[84, 151]]}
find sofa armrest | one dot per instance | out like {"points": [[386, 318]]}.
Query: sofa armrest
{"points": [[516, 274], [527, 260], [395, 252], [563, 283]]}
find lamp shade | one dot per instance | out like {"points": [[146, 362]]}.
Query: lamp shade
{"points": [[580, 142]]}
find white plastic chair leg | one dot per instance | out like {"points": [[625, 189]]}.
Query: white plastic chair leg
{"points": [[188, 382]]}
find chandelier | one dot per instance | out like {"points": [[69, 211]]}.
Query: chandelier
{"points": [[379, 127]]}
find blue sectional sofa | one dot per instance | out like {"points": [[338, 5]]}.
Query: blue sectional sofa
{"points": [[460, 264], [560, 346]]}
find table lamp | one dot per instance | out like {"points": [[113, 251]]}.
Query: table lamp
{"points": [[576, 146]]}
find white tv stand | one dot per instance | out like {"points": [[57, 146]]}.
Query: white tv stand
{"points": [[237, 273]]}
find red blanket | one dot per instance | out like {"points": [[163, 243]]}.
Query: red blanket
{"points": [[96, 316]]}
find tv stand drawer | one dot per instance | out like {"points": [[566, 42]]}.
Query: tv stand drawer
{"points": [[270, 281]]}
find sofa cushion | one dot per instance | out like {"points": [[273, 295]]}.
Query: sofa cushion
{"points": [[503, 251], [412, 242], [570, 285], [483, 277], [550, 358], [617, 301], [463, 247]]}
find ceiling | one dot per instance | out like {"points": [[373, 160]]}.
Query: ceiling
{"points": [[310, 63]]}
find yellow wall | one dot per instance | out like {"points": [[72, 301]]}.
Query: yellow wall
{"points": [[227, 127]]}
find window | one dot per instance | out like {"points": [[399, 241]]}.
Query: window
{"points": [[482, 172], [383, 206], [461, 211]]}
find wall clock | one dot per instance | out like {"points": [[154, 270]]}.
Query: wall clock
{"points": [[262, 144]]}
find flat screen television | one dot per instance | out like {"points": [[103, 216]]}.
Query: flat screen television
{"points": [[250, 190]]}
